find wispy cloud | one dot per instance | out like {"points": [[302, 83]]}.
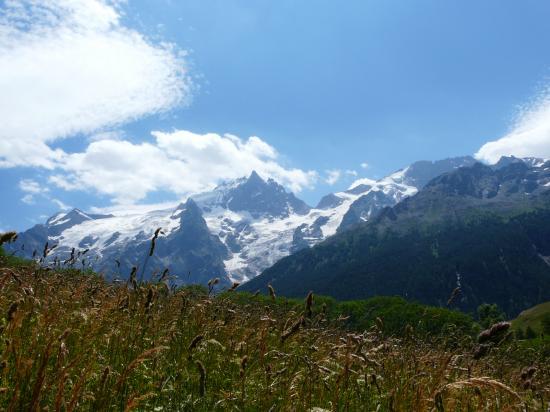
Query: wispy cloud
{"points": [[529, 136], [28, 199], [333, 176], [364, 165], [33, 190], [72, 66], [60, 204], [31, 186]]}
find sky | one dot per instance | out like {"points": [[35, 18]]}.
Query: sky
{"points": [[120, 105]]}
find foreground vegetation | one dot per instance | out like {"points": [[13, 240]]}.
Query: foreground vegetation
{"points": [[73, 341]]}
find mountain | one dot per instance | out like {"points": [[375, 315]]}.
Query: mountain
{"points": [[246, 225], [485, 230], [374, 196], [35, 238], [255, 196], [113, 245]]}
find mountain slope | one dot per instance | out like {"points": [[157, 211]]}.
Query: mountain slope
{"points": [[485, 230], [532, 318]]}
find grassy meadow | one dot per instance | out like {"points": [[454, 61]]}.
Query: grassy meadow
{"points": [[72, 341]]}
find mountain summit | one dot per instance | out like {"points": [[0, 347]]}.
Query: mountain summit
{"points": [[259, 197], [253, 195]]}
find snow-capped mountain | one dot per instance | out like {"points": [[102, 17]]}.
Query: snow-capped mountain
{"points": [[232, 232], [484, 230]]}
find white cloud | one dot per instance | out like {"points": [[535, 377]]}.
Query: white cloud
{"points": [[180, 162], [124, 210], [60, 204], [31, 186], [351, 173], [530, 136], [333, 176], [365, 165], [363, 181], [71, 66], [34, 190], [28, 199], [107, 135]]}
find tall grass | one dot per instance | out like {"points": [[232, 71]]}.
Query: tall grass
{"points": [[70, 341]]}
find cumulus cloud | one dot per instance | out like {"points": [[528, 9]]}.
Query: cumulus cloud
{"points": [[529, 137], [365, 165], [180, 162], [71, 66]]}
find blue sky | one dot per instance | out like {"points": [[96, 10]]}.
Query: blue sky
{"points": [[324, 87]]}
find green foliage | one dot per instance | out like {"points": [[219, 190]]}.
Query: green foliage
{"points": [[396, 313], [545, 323], [520, 334], [71, 341], [530, 333], [489, 314], [11, 260]]}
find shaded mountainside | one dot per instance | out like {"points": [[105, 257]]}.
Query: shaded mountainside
{"points": [[485, 230]]}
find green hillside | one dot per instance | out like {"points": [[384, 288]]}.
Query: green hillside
{"points": [[533, 318]]}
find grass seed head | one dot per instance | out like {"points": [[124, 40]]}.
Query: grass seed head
{"points": [[202, 378], [11, 311], [309, 304], [194, 343], [495, 333], [271, 292]]}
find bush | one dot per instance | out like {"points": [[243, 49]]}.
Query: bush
{"points": [[489, 314]]}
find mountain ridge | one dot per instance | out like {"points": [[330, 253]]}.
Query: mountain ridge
{"points": [[257, 221], [481, 229]]}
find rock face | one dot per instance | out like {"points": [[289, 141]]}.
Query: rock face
{"points": [[233, 232], [485, 230], [261, 198]]}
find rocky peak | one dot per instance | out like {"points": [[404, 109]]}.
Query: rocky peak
{"points": [[420, 173], [259, 197]]}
